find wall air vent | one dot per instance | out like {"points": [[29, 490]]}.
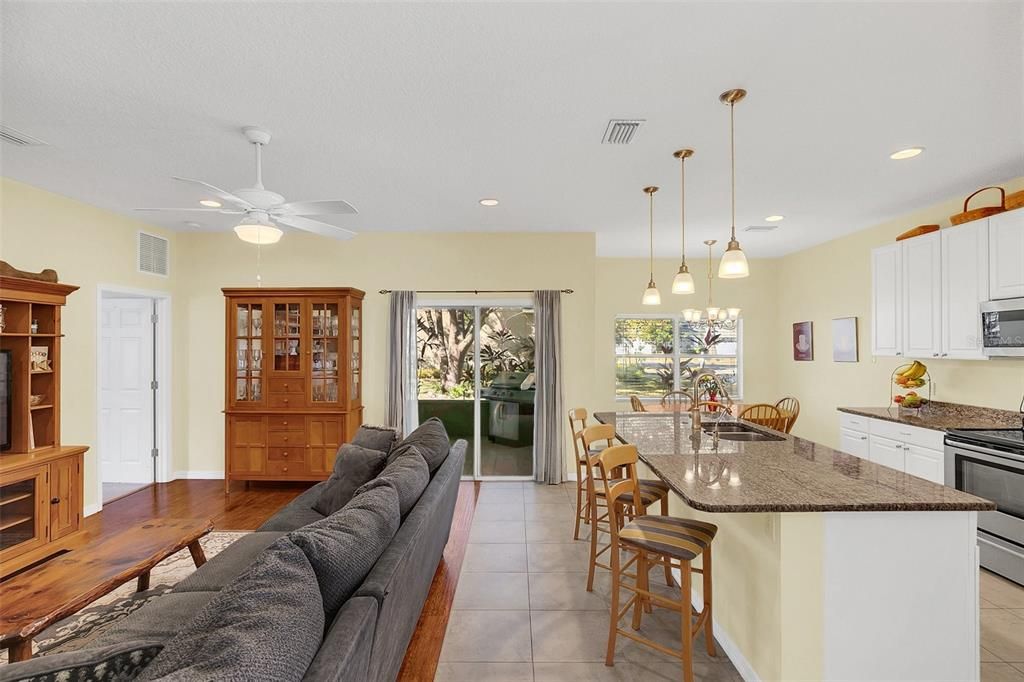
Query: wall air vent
{"points": [[621, 130], [18, 138], [153, 253], [760, 228]]}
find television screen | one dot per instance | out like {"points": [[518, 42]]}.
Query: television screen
{"points": [[5, 400]]}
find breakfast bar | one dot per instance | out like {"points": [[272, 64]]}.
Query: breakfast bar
{"points": [[821, 556]]}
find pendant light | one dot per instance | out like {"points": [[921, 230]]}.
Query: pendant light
{"points": [[651, 295], [683, 281], [734, 262]]}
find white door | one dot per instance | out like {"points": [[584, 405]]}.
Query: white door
{"points": [[1006, 246], [921, 266], [887, 452], [885, 301], [126, 393], [965, 283], [925, 463]]}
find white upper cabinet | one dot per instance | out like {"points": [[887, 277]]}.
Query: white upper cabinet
{"points": [[921, 268], [1006, 255], [965, 283], [885, 301]]}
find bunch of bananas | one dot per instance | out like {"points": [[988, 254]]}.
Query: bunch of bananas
{"points": [[912, 376]]}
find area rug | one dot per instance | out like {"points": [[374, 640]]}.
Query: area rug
{"points": [[77, 631]]}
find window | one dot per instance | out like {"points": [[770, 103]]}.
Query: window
{"points": [[658, 354]]}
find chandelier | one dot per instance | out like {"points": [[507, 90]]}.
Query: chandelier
{"points": [[712, 318]]}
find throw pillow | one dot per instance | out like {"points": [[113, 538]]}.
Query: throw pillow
{"points": [[354, 466], [381, 438], [266, 625], [408, 475], [122, 661], [344, 547], [431, 439]]}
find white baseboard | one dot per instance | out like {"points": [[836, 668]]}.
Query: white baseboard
{"points": [[91, 509], [199, 474], [739, 661]]}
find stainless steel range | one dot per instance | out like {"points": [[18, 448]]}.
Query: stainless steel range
{"points": [[989, 463], [511, 408]]}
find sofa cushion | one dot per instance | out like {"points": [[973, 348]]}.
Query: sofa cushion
{"points": [[354, 466], [158, 620], [228, 564], [343, 547], [121, 661], [431, 439], [408, 475], [297, 513], [266, 625], [381, 438]]}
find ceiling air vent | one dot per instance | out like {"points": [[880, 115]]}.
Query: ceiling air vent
{"points": [[621, 130], [18, 138], [760, 228], [152, 254]]}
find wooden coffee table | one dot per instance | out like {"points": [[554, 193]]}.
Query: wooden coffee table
{"points": [[41, 596]]}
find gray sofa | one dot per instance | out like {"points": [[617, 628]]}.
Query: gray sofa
{"points": [[366, 640]]}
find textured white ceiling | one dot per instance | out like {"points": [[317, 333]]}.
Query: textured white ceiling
{"points": [[413, 112]]}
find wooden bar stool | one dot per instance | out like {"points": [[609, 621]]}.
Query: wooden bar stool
{"points": [[637, 404], [654, 540], [649, 492], [577, 423]]}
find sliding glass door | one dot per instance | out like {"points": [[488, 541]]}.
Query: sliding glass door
{"points": [[475, 367]]}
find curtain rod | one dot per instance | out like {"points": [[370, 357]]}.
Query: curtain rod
{"points": [[475, 291]]}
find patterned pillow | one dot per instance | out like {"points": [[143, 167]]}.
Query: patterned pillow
{"points": [[123, 661]]}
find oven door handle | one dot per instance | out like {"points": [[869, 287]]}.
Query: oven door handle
{"points": [[967, 450], [1001, 546]]}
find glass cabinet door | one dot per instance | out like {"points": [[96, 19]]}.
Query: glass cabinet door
{"points": [[248, 352], [325, 347], [287, 337], [355, 358]]}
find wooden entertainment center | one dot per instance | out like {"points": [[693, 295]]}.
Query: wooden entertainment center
{"points": [[293, 384], [41, 480]]}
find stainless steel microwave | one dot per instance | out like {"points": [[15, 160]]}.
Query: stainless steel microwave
{"points": [[1002, 327]]}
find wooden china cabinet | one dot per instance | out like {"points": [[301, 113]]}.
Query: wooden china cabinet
{"points": [[293, 388], [41, 490]]}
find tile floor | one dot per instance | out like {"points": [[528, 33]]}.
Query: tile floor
{"points": [[1002, 629], [522, 611]]}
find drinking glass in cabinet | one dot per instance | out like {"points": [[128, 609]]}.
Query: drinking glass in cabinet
{"points": [[243, 321], [257, 356], [240, 386], [256, 389], [257, 321]]}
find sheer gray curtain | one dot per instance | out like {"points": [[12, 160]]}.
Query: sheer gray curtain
{"points": [[401, 390], [548, 440]]}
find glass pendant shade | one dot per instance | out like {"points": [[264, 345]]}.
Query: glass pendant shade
{"points": [[683, 282], [734, 262], [651, 295], [734, 313], [258, 233]]}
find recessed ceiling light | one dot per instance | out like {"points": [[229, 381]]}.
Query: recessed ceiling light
{"points": [[908, 153], [193, 224], [210, 203], [488, 202], [774, 218]]}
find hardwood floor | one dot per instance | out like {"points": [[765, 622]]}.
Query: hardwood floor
{"points": [[248, 509]]}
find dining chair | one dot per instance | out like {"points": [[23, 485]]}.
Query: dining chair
{"points": [[676, 401], [577, 424], [636, 404], [764, 414], [790, 409]]}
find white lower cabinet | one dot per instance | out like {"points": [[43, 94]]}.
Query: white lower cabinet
{"points": [[910, 449]]}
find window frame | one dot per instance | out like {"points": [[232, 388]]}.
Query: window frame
{"points": [[675, 356]]}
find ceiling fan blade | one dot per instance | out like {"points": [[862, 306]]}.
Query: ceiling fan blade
{"points": [[217, 192], [196, 210], [315, 226], [327, 207]]}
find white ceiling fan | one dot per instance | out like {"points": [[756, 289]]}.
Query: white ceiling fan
{"points": [[264, 209]]}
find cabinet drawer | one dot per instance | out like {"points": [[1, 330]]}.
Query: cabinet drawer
{"points": [[853, 422], [284, 400], [854, 443], [288, 385], [285, 455], [912, 435], [277, 467], [290, 439], [287, 423]]}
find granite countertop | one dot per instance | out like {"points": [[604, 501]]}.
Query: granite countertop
{"points": [[942, 416], [786, 475]]}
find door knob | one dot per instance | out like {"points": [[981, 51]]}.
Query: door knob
{"points": [[284, 468], [284, 454]]}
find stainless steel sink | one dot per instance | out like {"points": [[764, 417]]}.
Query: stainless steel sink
{"points": [[709, 426], [747, 435]]}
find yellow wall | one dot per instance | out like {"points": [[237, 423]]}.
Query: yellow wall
{"points": [[89, 247], [834, 280]]}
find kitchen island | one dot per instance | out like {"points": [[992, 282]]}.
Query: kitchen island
{"points": [[827, 566]]}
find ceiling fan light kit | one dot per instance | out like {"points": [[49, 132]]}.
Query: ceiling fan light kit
{"points": [[264, 210]]}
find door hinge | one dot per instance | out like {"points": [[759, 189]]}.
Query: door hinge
{"points": [[154, 318], [154, 384], [155, 452]]}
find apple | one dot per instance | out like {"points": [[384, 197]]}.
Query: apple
{"points": [[897, 399]]}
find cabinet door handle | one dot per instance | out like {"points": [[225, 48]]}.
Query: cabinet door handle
{"points": [[935, 355], [54, 500], [898, 353], [944, 355]]}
